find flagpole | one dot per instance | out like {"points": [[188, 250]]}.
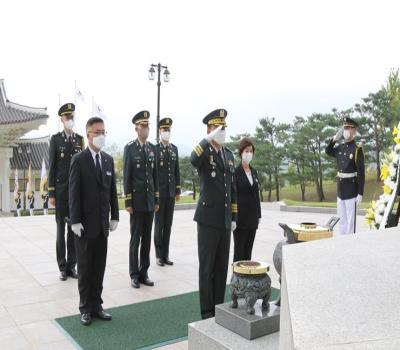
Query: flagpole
{"points": [[75, 93], [59, 105]]}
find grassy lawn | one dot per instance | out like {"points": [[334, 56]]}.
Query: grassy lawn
{"points": [[289, 202], [291, 195]]}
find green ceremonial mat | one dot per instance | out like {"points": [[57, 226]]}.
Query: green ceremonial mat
{"points": [[142, 325]]}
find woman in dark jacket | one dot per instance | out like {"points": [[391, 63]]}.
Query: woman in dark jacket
{"points": [[249, 208]]}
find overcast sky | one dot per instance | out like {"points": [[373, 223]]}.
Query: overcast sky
{"points": [[253, 58]]}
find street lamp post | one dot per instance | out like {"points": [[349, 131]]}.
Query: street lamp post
{"points": [[152, 74]]}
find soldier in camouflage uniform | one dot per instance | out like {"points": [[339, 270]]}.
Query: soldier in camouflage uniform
{"points": [[63, 146]]}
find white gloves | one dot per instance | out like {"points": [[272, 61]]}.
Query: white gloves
{"points": [[233, 227], [213, 133], [77, 229], [113, 225], [338, 135], [359, 199]]}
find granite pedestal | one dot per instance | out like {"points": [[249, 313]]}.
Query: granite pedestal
{"points": [[208, 335], [248, 326], [342, 293]]}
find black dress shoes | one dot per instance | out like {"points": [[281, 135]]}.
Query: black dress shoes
{"points": [[168, 262], [63, 276], [72, 273], [135, 283], [160, 262], [147, 282], [86, 319], [102, 315]]}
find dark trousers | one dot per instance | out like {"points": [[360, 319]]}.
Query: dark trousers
{"points": [[69, 263], [92, 256], [141, 224], [213, 249], [162, 226], [244, 240]]}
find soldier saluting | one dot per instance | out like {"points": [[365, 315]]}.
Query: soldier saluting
{"points": [[63, 146], [142, 198], [350, 176], [216, 211], [170, 189]]}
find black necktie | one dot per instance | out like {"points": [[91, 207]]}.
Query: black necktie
{"points": [[221, 156], [98, 168]]}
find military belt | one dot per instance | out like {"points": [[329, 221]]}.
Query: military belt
{"points": [[346, 175]]}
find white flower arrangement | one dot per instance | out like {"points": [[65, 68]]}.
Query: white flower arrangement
{"points": [[389, 169]]}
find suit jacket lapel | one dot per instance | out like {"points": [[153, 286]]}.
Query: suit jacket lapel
{"points": [[103, 167]]}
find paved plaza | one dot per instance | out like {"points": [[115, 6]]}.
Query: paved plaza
{"points": [[31, 295]]}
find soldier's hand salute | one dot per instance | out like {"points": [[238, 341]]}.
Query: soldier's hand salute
{"points": [[216, 210], [350, 176]]}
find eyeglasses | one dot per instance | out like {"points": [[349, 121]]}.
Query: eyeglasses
{"points": [[98, 133]]}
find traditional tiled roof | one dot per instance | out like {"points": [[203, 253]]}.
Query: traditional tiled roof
{"points": [[30, 151], [12, 113]]}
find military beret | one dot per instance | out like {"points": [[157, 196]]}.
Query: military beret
{"points": [[68, 108], [165, 123], [216, 117], [349, 122], [141, 118]]}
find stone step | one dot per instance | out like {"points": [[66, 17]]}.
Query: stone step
{"points": [[207, 334]]}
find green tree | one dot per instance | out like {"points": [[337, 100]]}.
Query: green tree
{"points": [[317, 130], [376, 124], [188, 174], [270, 138], [299, 170]]}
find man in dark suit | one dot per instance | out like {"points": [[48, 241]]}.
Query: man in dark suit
{"points": [[216, 211], [92, 194], [63, 146], [142, 198], [170, 189]]}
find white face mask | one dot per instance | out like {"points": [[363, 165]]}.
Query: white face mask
{"points": [[69, 124], [346, 134], [165, 135], [99, 141], [247, 157], [220, 137]]}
